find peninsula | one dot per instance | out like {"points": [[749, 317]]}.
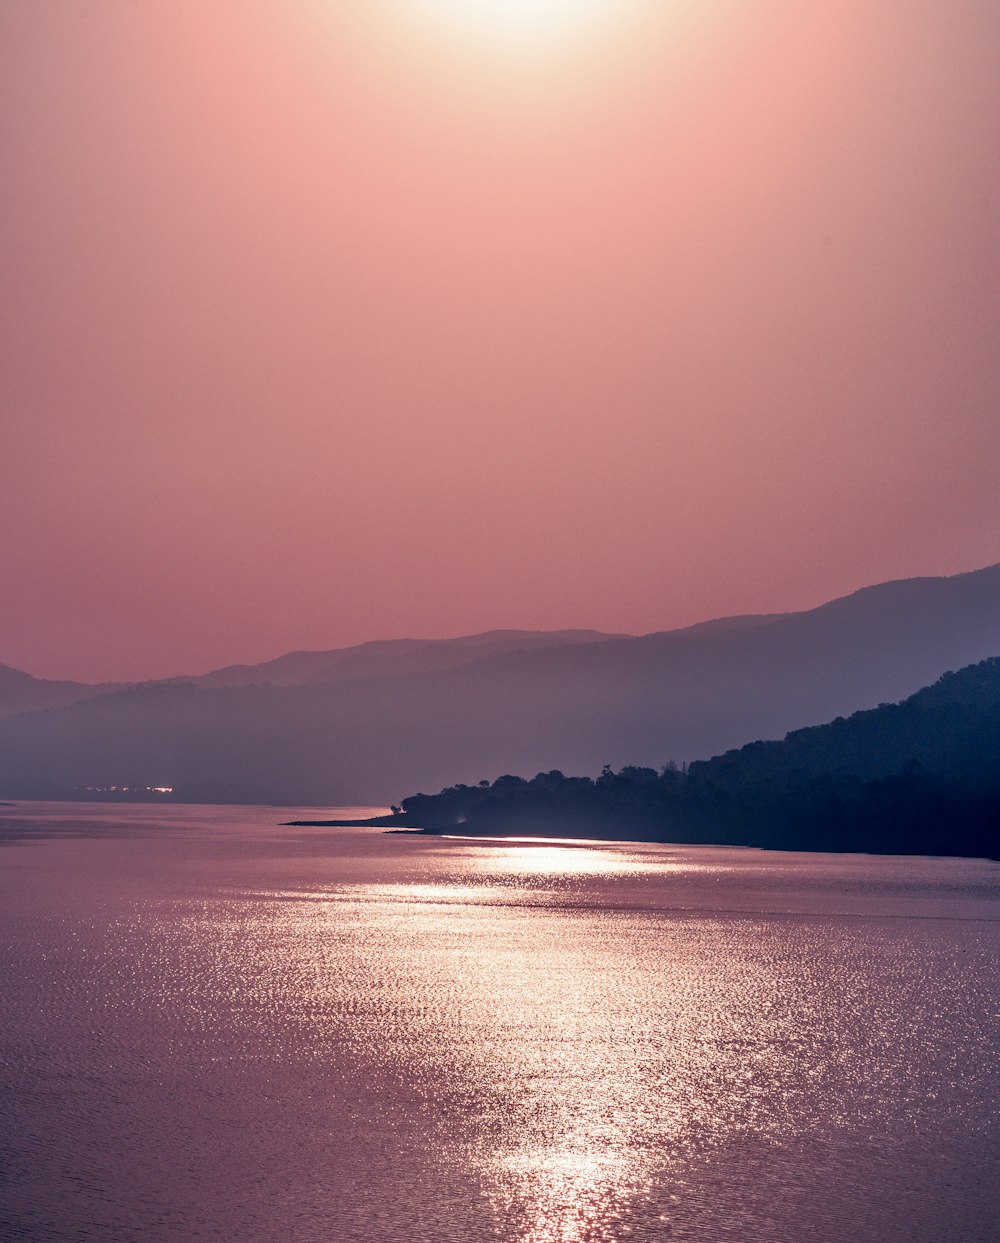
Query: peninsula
{"points": [[918, 777]]}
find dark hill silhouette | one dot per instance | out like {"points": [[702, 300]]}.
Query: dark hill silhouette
{"points": [[950, 730], [573, 706], [918, 777]]}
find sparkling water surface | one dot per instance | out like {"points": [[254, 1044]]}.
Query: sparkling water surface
{"points": [[213, 1027]]}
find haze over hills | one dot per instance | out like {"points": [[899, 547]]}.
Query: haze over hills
{"points": [[390, 719], [20, 692], [388, 657]]}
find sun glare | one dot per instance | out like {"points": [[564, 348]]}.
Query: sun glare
{"points": [[525, 23]]}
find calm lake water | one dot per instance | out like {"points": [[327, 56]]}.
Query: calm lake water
{"points": [[216, 1028]]}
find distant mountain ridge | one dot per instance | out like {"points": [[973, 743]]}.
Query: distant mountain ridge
{"points": [[21, 692], [389, 658], [385, 723]]}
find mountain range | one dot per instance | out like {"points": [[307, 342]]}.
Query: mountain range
{"points": [[20, 692], [370, 723]]}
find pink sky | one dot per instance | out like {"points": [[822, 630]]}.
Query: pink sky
{"points": [[326, 321]]}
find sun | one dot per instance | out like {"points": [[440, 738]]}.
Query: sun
{"points": [[525, 23]]}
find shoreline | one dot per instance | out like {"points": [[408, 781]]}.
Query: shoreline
{"points": [[372, 822], [403, 825]]}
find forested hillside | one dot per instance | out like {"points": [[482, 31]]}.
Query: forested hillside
{"points": [[918, 777]]}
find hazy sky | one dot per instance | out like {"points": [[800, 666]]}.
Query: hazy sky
{"points": [[328, 320]]}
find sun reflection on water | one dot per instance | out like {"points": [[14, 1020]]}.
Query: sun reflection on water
{"points": [[534, 856], [505, 965], [561, 1143], [524, 858], [571, 1196], [564, 1028]]}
